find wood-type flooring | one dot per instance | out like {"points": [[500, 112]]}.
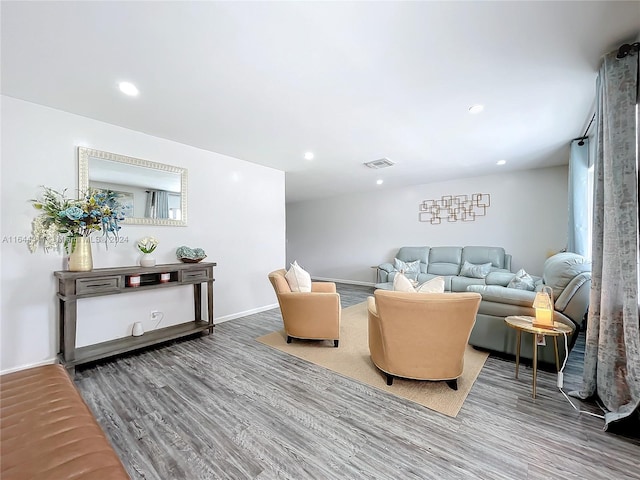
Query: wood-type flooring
{"points": [[227, 407]]}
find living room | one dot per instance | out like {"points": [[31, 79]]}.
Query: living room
{"points": [[251, 218]]}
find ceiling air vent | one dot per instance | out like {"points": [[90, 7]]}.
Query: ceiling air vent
{"points": [[377, 164]]}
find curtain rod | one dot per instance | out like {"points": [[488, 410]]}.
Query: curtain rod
{"points": [[627, 48], [585, 136]]}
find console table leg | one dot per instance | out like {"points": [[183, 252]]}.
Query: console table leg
{"points": [[197, 301], [69, 319], [210, 305]]}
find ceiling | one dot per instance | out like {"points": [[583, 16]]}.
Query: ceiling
{"points": [[349, 81]]}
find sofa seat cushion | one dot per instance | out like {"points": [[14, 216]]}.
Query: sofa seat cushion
{"points": [[494, 293], [48, 432], [460, 284]]}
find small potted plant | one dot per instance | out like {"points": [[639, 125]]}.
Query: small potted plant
{"points": [[147, 245]]}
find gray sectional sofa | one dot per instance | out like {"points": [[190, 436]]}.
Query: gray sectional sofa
{"points": [[568, 274], [446, 262]]}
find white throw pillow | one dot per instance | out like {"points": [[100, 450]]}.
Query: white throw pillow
{"points": [[298, 279], [435, 285], [402, 284]]}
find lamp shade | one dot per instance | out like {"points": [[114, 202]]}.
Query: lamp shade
{"points": [[543, 303]]}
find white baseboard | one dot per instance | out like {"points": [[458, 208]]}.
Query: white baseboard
{"points": [[339, 280], [31, 365], [217, 320], [233, 316]]}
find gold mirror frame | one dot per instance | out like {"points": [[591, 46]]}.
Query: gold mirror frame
{"points": [[84, 154]]}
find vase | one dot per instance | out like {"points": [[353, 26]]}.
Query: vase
{"points": [[80, 259], [147, 260]]}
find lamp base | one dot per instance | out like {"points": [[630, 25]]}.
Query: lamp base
{"points": [[542, 325]]}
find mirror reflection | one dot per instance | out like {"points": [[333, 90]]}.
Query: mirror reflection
{"points": [[152, 193]]}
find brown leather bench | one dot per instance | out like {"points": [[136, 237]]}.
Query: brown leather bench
{"points": [[48, 432]]}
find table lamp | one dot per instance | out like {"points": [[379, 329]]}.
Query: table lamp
{"points": [[543, 304]]}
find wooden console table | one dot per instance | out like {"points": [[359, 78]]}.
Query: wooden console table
{"points": [[111, 281]]}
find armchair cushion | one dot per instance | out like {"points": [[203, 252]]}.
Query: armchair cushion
{"points": [[435, 285], [298, 279], [403, 284]]}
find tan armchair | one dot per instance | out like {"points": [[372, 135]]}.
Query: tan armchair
{"points": [[421, 336], [309, 315]]}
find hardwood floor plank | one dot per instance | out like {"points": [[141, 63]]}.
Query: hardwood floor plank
{"points": [[224, 406]]}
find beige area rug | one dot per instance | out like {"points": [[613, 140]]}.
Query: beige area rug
{"points": [[352, 360]]}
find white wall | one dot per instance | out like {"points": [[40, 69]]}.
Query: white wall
{"points": [[341, 237], [236, 214]]}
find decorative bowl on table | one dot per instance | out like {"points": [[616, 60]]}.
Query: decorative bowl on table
{"points": [[190, 255]]}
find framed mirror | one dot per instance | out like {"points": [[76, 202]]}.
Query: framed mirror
{"points": [[152, 193]]}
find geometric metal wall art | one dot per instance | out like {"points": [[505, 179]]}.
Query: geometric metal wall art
{"points": [[454, 207]]}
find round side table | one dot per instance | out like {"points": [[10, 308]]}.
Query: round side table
{"points": [[524, 323]]}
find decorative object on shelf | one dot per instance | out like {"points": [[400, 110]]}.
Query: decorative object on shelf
{"points": [[165, 277], [147, 245], [137, 330], [454, 208], [133, 281], [80, 259], [72, 221], [190, 255]]}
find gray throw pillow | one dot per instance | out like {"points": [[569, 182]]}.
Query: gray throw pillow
{"points": [[522, 281], [410, 269], [472, 270]]}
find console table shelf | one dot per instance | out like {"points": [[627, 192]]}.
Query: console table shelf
{"points": [[113, 281]]}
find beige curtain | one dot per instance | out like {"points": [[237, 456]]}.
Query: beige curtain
{"points": [[612, 351]]}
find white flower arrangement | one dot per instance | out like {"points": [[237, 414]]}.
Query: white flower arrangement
{"points": [[147, 244]]}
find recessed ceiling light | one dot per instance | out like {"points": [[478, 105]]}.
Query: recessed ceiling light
{"points": [[308, 156], [379, 181], [476, 108], [128, 88], [501, 162]]}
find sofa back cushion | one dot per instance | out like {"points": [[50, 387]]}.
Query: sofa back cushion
{"points": [[479, 255], [444, 260], [560, 269], [411, 254]]}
